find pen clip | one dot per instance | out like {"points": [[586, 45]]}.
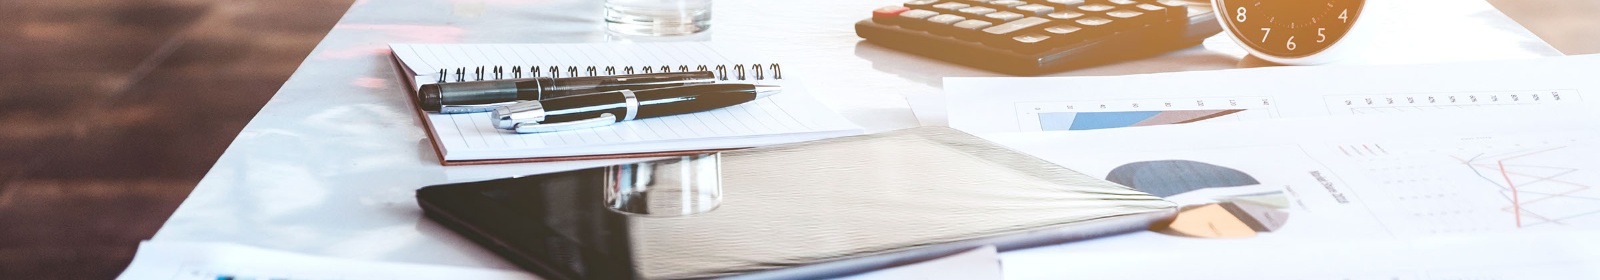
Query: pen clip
{"points": [[472, 108], [523, 111], [533, 127]]}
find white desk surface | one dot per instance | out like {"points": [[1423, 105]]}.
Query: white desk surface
{"points": [[330, 165]]}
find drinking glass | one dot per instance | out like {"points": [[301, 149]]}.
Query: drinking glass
{"points": [[658, 17]]}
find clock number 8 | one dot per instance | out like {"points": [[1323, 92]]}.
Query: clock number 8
{"points": [[1240, 17]]}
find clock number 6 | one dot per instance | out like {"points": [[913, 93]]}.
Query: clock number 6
{"points": [[1290, 45], [1240, 17]]}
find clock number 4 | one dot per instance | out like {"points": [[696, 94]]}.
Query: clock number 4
{"points": [[1342, 15]]}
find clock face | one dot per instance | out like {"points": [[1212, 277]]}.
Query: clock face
{"points": [[1289, 28]]}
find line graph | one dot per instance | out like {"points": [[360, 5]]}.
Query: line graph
{"points": [[1516, 202], [1538, 191]]}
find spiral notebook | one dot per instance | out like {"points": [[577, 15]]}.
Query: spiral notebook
{"points": [[791, 116]]}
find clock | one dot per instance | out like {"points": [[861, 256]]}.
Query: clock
{"points": [[1293, 31]]}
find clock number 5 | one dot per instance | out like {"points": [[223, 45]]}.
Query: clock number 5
{"points": [[1240, 17], [1321, 37]]}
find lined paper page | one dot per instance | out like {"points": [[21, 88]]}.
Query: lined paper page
{"points": [[786, 117]]}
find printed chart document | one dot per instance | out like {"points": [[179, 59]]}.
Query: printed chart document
{"points": [[790, 116], [983, 105], [1350, 181]]}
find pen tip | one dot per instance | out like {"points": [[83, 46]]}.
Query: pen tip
{"points": [[763, 91]]}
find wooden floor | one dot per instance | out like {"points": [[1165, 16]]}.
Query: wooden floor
{"points": [[112, 110]]}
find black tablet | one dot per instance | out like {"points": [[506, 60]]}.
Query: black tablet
{"points": [[808, 210]]}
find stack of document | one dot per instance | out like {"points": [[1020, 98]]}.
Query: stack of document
{"points": [[1385, 156]]}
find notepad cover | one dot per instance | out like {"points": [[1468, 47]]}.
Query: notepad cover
{"points": [[813, 209], [791, 116]]}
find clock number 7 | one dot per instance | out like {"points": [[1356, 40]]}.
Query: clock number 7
{"points": [[1267, 32]]}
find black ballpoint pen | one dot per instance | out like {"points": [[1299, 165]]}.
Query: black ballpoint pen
{"points": [[483, 96], [606, 108]]}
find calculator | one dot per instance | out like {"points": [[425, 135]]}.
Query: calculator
{"points": [[1035, 37]]}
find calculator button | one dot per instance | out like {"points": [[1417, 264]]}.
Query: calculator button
{"points": [[1064, 29], [1135, 18], [945, 19], [1013, 26], [1096, 7], [973, 24], [921, 4], [1115, 2], [917, 14], [1124, 14], [1183, 8], [886, 14], [1117, 24], [1004, 16], [1066, 2], [1031, 42], [970, 29], [1093, 22], [1151, 8], [1065, 15], [1068, 33], [1031, 38], [1035, 9], [1165, 12], [1173, 3], [951, 6], [1007, 3], [977, 11]]}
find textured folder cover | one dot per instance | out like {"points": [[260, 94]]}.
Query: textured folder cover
{"points": [[813, 209]]}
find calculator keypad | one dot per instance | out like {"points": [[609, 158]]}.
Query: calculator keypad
{"points": [[1034, 25], [1031, 37]]}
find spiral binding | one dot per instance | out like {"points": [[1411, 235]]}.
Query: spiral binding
{"points": [[756, 71]]}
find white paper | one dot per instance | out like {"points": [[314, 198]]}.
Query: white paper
{"points": [[212, 261], [985, 105]]}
